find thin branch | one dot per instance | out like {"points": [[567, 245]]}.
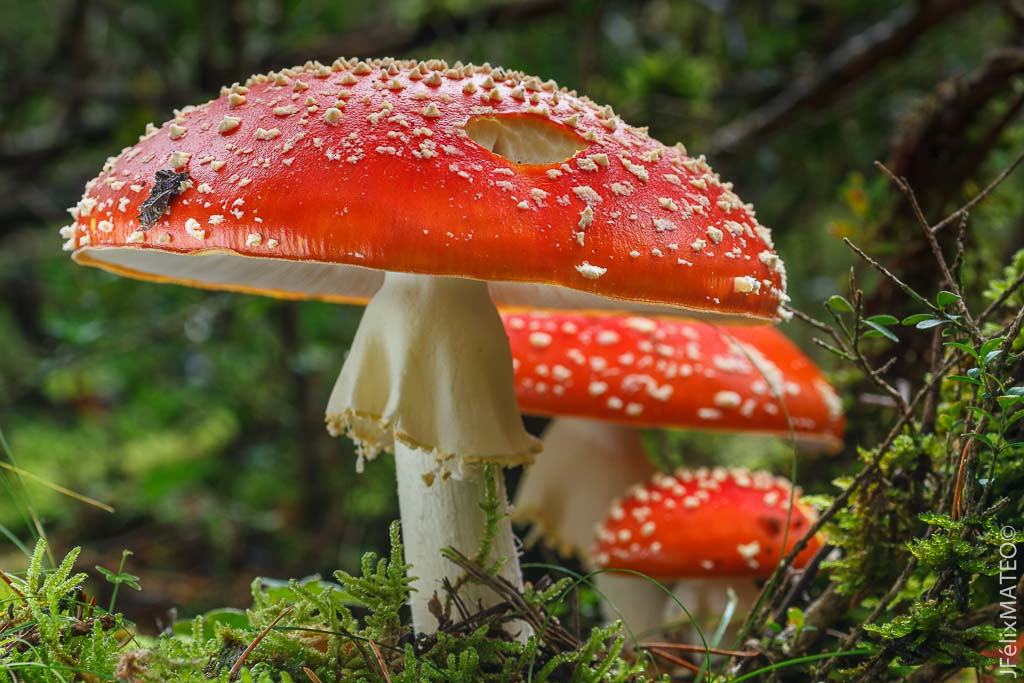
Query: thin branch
{"points": [[240, 662], [890, 38], [966, 208]]}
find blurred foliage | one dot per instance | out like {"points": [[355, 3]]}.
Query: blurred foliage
{"points": [[198, 415]]}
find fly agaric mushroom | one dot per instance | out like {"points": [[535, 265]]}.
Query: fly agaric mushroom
{"points": [[693, 523], [604, 376], [720, 524], [427, 190]]}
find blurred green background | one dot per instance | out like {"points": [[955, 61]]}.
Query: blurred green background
{"points": [[199, 415]]}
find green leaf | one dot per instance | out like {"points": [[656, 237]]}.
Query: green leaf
{"points": [[916, 318], [881, 330], [966, 348], [991, 344], [1007, 402], [992, 355], [984, 438], [839, 304], [930, 323], [884, 319], [945, 298]]}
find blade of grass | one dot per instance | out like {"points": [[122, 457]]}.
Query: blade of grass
{"points": [[799, 660], [35, 526], [56, 487]]}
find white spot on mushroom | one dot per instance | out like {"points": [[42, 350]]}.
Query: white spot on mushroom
{"points": [[748, 551], [586, 217], [589, 271], [727, 399], [540, 340], [178, 159], [332, 116], [193, 228], [745, 284]]}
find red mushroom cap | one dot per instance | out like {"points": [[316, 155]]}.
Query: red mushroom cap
{"points": [[720, 522], [336, 172], [670, 373]]}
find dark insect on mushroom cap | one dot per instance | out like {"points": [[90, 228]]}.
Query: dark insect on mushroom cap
{"points": [[166, 186]]}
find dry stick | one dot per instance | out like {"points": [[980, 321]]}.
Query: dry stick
{"points": [[901, 581], [966, 208], [700, 649], [256, 641], [1012, 330], [862, 476], [678, 661], [958, 487], [380, 660], [311, 675], [804, 579], [10, 584], [854, 59], [1002, 298], [933, 244]]}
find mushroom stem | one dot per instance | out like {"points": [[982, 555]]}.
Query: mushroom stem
{"points": [[447, 513], [429, 378], [601, 459], [638, 602]]}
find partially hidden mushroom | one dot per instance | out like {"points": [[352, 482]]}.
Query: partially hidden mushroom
{"points": [[605, 376], [427, 190], [725, 524]]}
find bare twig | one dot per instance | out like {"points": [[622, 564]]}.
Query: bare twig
{"points": [[966, 208], [890, 38], [240, 662], [380, 660]]}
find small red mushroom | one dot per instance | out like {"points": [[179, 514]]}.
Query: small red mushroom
{"points": [[695, 523], [605, 375]]}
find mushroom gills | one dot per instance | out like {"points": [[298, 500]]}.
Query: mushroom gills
{"points": [[525, 139]]}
